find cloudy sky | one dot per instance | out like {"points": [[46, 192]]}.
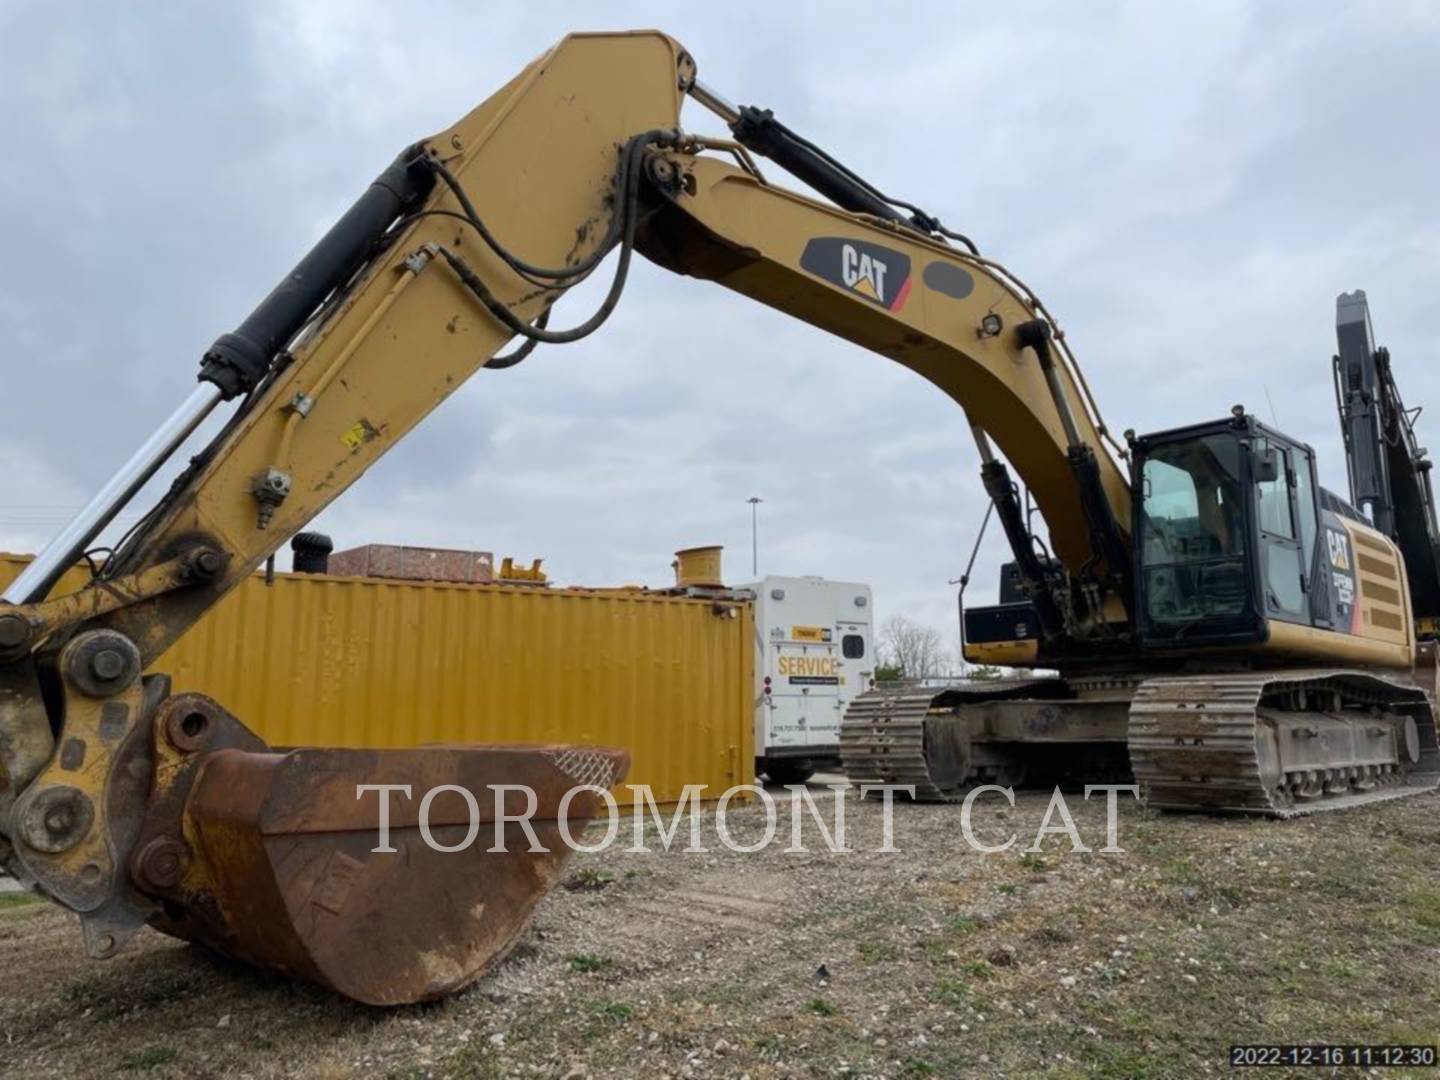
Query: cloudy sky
{"points": [[1188, 192]]}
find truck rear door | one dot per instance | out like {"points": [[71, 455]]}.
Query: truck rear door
{"points": [[807, 684]]}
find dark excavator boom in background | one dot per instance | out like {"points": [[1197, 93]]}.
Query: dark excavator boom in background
{"points": [[1389, 470]]}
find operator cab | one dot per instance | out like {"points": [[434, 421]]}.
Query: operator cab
{"points": [[1227, 517], [1236, 544]]}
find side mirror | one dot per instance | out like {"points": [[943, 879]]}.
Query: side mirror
{"points": [[1266, 466]]}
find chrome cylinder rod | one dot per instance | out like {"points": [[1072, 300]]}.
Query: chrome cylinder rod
{"points": [[714, 101], [60, 554]]}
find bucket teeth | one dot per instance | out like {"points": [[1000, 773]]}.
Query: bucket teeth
{"points": [[291, 861]]}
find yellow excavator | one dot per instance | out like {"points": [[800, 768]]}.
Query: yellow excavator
{"points": [[1205, 623], [1246, 642]]}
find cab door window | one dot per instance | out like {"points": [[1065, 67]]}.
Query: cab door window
{"points": [[1284, 563], [1307, 508]]}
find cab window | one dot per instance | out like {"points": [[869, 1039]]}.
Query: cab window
{"points": [[1193, 531], [1274, 496], [1192, 502], [852, 647]]}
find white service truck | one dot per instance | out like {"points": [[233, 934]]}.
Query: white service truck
{"points": [[815, 651]]}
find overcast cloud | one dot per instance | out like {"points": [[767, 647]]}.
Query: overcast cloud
{"points": [[1187, 190]]}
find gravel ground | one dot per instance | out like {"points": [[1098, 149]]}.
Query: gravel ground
{"points": [[934, 961]]}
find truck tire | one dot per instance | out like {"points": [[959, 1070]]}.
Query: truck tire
{"points": [[789, 770]]}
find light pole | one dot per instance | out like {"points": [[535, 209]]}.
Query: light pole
{"points": [[754, 502]]}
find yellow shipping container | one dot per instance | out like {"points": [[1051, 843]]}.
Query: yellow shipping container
{"points": [[338, 661]]}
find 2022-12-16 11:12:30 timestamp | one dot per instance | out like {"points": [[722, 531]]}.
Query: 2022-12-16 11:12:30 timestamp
{"points": [[1330, 1056]]}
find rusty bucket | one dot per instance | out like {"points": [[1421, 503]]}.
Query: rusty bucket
{"points": [[390, 876]]}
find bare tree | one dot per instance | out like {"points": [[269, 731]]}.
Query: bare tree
{"points": [[911, 650]]}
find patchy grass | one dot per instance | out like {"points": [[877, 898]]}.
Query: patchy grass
{"points": [[587, 962], [877, 952], [1034, 862], [948, 991], [1423, 908], [105, 999], [590, 879], [606, 1016], [10, 901], [820, 1007], [473, 1061], [612, 1012], [1052, 935], [147, 1058]]}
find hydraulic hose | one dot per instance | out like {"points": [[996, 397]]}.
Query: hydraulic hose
{"points": [[624, 222]]}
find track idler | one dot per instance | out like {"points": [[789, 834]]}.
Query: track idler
{"points": [[380, 874]]}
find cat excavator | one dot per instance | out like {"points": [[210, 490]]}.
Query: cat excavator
{"points": [[1252, 643], [1278, 653]]}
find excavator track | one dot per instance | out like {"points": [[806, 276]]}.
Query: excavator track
{"points": [[1278, 743], [1281, 744], [883, 738], [882, 741]]}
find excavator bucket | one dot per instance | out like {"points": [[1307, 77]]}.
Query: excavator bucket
{"points": [[390, 876]]}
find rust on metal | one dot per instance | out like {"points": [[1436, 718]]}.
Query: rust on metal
{"points": [[408, 563], [271, 857]]}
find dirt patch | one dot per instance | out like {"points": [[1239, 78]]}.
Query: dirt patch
{"points": [[933, 961]]}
